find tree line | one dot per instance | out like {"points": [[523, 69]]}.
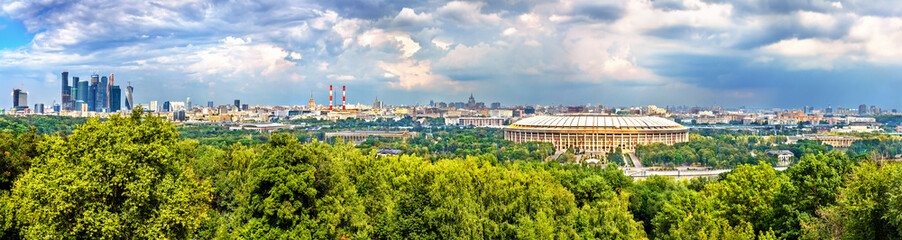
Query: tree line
{"points": [[135, 177]]}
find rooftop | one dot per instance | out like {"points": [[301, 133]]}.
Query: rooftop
{"points": [[597, 121]]}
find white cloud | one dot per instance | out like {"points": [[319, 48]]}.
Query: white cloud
{"points": [[413, 74], [238, 56], [444, 45], [881, 38], [409, 18], [814, 53], [378, 37], [509, 31], [341, 77], [820, 21]]}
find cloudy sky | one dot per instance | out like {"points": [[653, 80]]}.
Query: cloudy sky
{"points": [[756, 53]]}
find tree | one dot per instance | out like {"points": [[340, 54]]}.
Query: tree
{"points": [[813, 184], [747, 195], [279, 196], [117, 179]]}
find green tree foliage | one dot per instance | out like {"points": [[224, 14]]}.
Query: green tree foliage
{"points": [[135, 178], [814, 183], [117, 179], [747, 195]]}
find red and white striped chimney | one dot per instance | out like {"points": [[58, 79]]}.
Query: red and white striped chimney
{"points": [[343, 98], [330, 97]]}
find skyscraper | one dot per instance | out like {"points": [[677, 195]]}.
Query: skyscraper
{"points": [[102, 97], [65, 93], [20, 99], [109, 87], [129, 101], [115, 98], [166, 106], [75, 97], [862, 109], [311, 104], [471, 103], [210, 104], [188, 104], [91, 99], [237, 103]]}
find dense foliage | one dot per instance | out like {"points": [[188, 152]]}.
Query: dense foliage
{"points": [[136, 177]]}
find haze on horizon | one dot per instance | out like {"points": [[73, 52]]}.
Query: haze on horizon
{"points": [[768, 53]]}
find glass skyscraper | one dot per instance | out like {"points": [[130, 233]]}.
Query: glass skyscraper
{"points": [[115, 98], [129, 101], [100, 102], [82, 93]]}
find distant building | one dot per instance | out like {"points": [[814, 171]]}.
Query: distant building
{"points": [[387, 151], [359, 136], [480, 122], [471, 103], [377, 104], [39, 108], [311, 104], [20, 99], [82, 91], [862, 109], [237, 103], [178, 116], [129, 100], [115, 99], [244, 107], [92, 93], [496, 105], [210, 104], [102, 97], [167, 106], [784, 157], [66, 92]]}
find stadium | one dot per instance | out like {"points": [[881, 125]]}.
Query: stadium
{"points": [[596, 133]]}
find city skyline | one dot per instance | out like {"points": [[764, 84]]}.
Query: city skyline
{"points": [[786, 54]]}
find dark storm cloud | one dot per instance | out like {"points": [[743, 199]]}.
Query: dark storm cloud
{"points": [[605, 13]]}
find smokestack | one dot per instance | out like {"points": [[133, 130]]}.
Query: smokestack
{"points": [[330, 97], [342, 97]]}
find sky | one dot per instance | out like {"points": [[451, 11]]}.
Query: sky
{"points": [[753, 53]]}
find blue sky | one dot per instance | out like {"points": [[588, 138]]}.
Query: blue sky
{"points": [[755, 53]]}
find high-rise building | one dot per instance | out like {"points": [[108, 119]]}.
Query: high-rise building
{"points": [[210, 104], [237, 103], [102, 97], [74, 92], [109, 87], [188, 104], [115, 98], [39, 108], [167, 106], [377, 104], [311, 104], [244, 107], [496, 105], [20, 99], [92, 94], [129, 101], [862, 109], [829, 109], [154, 106], [471, 103], [65, 93], [83, 89]]}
